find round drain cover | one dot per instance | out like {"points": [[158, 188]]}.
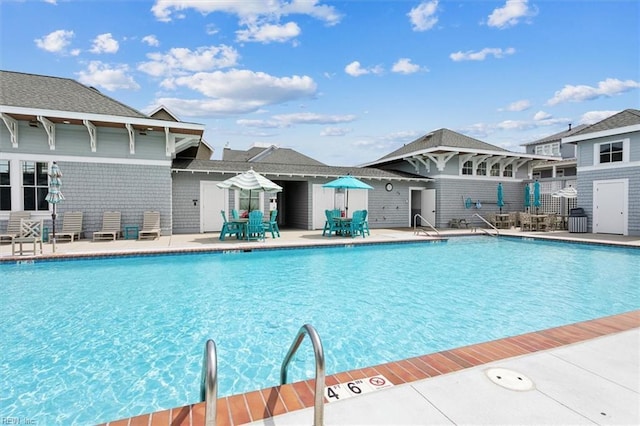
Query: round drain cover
{"points": [[510, 379]]}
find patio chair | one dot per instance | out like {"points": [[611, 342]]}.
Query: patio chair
{"points": [[331, 225], [272, 224], [110, 227], [254, 229], [356, 226], [30, 233], [150, 226], [230, 228], [234, 214], [365, 223], [71, 226], [525, 222], [13, 225]]}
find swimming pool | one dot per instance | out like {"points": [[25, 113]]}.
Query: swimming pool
{"points": [[95, 340]]}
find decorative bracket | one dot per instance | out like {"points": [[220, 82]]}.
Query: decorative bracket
{"points": [[50, 128], [93, 135], [132, 138], [12, 125], [441, 159]]}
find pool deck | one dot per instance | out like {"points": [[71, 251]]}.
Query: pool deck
{"points": [[584, 373]]}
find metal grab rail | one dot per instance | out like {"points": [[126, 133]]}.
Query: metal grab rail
{"points": [[488, 223], [415, 227], [318, 412], [209, 383]]}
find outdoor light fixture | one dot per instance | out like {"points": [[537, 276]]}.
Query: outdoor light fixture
{"points": [[33, 123]]}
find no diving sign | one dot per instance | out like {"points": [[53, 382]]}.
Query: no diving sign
{"points": [[356, 387]]}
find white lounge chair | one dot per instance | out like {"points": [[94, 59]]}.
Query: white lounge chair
{"points": [[150, 226], [30, 233], [13, 225], [110, 227], [71, 226]]}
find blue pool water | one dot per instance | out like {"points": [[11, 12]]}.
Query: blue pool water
{"points": [[87, 341]]}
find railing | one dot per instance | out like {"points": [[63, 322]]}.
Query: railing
{"points": [[415, 226], [488, 223], [209, 384], [318, 412]]}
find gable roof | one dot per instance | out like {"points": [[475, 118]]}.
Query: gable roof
{"points": [[271, 154], [557, 136], [58, 94], [622, 122]]}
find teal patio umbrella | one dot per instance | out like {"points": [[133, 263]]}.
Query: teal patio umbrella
{"points": [[54, 196], [500, 197], [347, 183], [536, 195], [527, 197]]}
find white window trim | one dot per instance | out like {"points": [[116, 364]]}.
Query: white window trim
{"points": [[17, 200], [625, 153]]}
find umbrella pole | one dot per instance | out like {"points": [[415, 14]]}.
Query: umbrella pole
{"points": [[53, 233]]}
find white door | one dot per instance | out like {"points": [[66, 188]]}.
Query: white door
{"points": [[428, 206], [212, 200], [357, 199], [610, 206], [323, 199]]}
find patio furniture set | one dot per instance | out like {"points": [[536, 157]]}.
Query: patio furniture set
{"points": [[336, 224], [252, 228]]}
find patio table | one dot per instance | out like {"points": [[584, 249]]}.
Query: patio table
{"points": [[502, 221], [536, 219]]}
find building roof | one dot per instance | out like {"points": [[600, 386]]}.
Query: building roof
{"points": [[58, 94], [557, 136], [271, 154], [274, 170], [445, 138], [622, 122]]}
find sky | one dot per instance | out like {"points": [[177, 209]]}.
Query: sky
{"points": [[344, 82]]}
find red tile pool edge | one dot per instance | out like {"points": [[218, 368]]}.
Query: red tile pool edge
{"points": [[244, 408]]}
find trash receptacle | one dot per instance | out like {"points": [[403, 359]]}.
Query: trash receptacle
{"points": [[577, 220]]}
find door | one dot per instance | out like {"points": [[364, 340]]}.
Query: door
{"points": [[428, 206], [323, 199], [358, 199], [610, 206], [212, 200]]}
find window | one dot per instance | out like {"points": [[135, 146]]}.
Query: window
{"points": [[482, 169], [467, 168], [34, 186], [611, 152], [495, 170], [5, 186], [508, 171], [244, 202], [549, 149]]}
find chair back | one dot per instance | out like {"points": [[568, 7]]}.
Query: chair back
{"points": [[274, 214], [72, 222], [14, 224], [31, 229], [336, 212], [329, 215], [224, 216], [151, 221], [234, 214], [255, 217], [111, 222]]}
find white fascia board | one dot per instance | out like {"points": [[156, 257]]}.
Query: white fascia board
{"points": [[149, 122], [311, 174], [602, 134]]}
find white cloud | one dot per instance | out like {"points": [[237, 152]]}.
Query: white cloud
{"points": [[423, 17], [99, 74], [105, 43], [510, 14], [269, 33], [605, 89], [520, 105], [180, 60], [260, 124], [541, 115], [404, 66], [288, 120], [211, 29], [53, 2], [249, 11], [237, 92], [151, 40], [592, 117], [355, 69], [335, 131], [482, 54], [55, 42]]}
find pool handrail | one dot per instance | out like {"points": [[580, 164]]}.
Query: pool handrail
{"points": [[415, 226], [488, 223], [318, 411], [209, 383]]}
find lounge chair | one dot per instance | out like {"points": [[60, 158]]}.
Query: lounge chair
{"points": [[230, 228], [150, 226], [272, 224], [30, 233], [71, 226], [110, 227], [13, 225], [254, 228]]}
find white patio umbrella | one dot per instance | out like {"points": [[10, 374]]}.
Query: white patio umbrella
{"points": [[568, 192], [54, 196], [250, 181]]}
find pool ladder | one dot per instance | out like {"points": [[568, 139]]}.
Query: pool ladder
{"points": [[209, 384], [417, 229], [488, 223]]}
